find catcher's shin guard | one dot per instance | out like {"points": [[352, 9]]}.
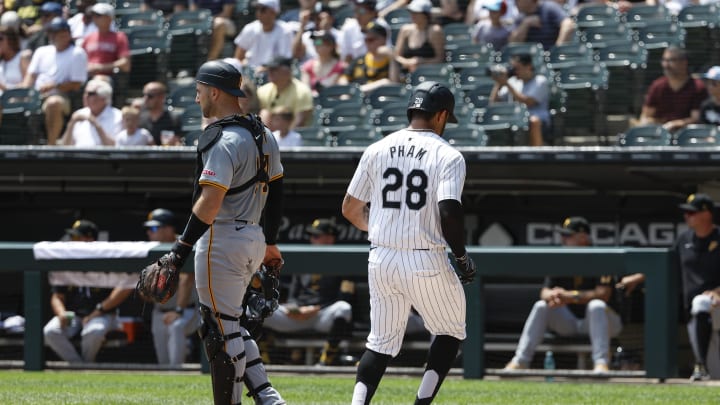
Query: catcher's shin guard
{"points": [[222, 369]]}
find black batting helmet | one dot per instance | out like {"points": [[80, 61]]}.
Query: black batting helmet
{"points": [[221, 75], [432, 97]]}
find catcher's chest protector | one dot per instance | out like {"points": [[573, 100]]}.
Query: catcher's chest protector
{"points": [[212, 135]]}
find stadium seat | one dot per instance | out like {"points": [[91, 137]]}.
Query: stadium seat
{"points": [[342, 13], [21, 115], [189, 40], [564, 55], [471, 78], [584, 85], [468, 55], [655, 36], [535, 50], [463, 136], [390, 118], [698, 135], [344, 93], [150, 18], [313, 136], [191, 119], [505, 124], [598, 36], [457, 32], [149, 48], [702, 41], [596, 15], [646, 135], [398, 17], [341, 120], [181, 97], [391, 93], [640, 14], [479, 96], [626, 63], [439, 72], [123, 7], [358, 138]]}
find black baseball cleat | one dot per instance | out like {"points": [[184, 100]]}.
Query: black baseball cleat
{"points": [[699, 373]]}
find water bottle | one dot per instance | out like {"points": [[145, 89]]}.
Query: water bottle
{"points": [[549, 364]]}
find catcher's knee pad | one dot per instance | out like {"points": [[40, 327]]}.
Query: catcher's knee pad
{"points": [[222, 365]]}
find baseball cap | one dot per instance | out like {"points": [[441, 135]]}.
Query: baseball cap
{"points": [[83, 227], [322, 7], [160, 217], [322, 226], [420, 6], [273, 4], [278, 61], [375, 28], [367, 3], [432, 97], [10, 19], [51, 8], [712, 74], [573, 225], [103, 9], [495, 5], [221, 75], [697, 202], [58, 24]]}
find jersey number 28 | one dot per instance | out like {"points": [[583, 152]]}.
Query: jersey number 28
{"points": [[416, 184]]}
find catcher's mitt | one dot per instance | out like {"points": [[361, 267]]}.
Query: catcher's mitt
{"points": [[159, 281]]}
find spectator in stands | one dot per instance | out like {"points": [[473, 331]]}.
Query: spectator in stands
{"points": [[529, 88], [352, 38], [317, 303], [326, 68], [476, 12], [155, 116], [376, 67], [11, 20], [281, 120], [265, 38], [285, 90], [318, 19], [542, 21], [98, 122], [132, 134], [250, 103], [81, 24], [710, 108], [108, 51], [57, 71], [571, 306], [419, 42], [697, 261], [492, 30], [13, 65], [223, 25], [38, 32], [175, 320], [674, 99], [82, 308]]}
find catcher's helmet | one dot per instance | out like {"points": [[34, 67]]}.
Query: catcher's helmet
{"points": [[221, 75], [432, 97]]}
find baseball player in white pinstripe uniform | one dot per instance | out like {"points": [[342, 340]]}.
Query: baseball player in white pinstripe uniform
{"points": [[413, 180]]}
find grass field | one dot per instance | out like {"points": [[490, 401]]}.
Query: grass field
{"points": [[71, 387]]}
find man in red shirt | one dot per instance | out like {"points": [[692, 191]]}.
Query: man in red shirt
{"points": [[674, 99], [107, 50]]}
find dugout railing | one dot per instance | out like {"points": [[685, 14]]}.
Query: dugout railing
{"points": [[661, 290]]}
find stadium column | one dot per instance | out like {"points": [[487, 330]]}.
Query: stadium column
{"points": [[34, 300]]}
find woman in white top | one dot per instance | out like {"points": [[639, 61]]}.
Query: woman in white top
{"points": [[325, 69], [13, 66]]}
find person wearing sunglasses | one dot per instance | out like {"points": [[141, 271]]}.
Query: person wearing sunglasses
{"points": [[155, 116], [325, 69], [98, 122], [710, 108], [375, 68]]}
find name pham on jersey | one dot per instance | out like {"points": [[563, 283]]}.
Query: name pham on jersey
{"points": [[409, 152]]}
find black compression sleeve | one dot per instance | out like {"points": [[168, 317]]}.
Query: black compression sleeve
{"points": [[194, 229], [452, 224], [273, 211]]}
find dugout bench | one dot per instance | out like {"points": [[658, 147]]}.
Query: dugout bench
{"points": [[660, 300]]}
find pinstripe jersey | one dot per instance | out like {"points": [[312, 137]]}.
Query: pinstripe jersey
{"points": [[231, 162], [404, 176]]}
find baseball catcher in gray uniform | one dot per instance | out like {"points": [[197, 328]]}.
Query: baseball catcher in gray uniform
{"points": [[239, 177]]}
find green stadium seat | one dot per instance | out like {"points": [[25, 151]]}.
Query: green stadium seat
{"points": [[464, 136], [468, 55], [189, 40], [596, 15], [646, 135], [626, 63], [505, 124], [564, 55], [21, 115], [640, 14], [698, 135]]}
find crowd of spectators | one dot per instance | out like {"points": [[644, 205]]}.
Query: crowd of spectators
{"points": [[293, 53]]}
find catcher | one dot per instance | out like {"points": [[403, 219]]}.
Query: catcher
{"points": [[239, 179]]}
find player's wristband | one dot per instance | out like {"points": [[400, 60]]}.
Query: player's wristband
{"points": [[194, 229]]}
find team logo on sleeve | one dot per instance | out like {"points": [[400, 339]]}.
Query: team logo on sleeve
{"points": [[208, 172]]}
